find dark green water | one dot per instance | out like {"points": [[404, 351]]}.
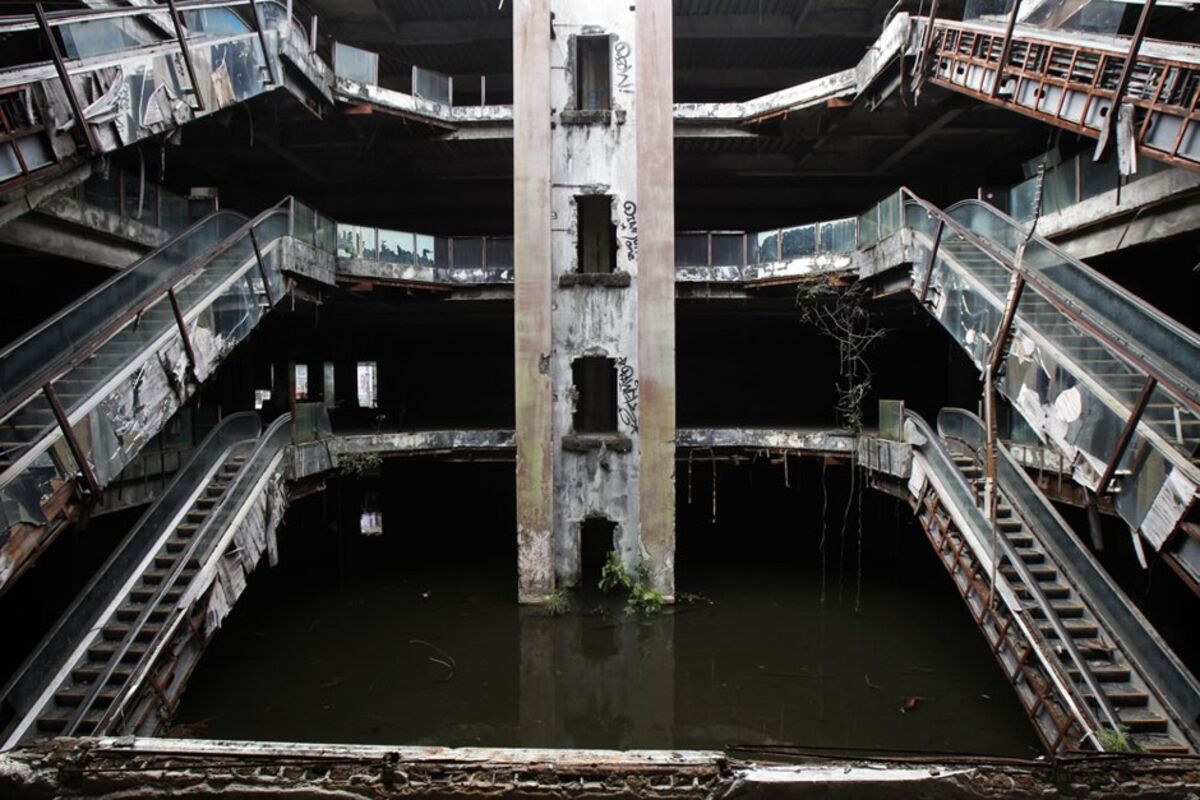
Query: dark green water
{"points": [[307, 656]]}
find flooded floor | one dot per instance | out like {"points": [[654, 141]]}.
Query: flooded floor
{"points": [[371, 640]]}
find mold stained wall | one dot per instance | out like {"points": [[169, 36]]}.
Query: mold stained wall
{"points": [[593, 158]]}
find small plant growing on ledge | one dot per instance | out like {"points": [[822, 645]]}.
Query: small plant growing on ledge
{"points": [[1117, 740], [642, 599], [613, 575], [559, 602], [359, 464]]}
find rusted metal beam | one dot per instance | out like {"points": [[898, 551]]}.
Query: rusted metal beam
{"points": [[933, 251], [183, 331], [1010, 313], [1006, 49], [1106, 135], [256, 20], [181, 35], [262, 267], [1131, 424], [68, 432], [61, 68]]}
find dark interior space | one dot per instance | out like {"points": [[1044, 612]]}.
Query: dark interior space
{"points": [[29, 609], [595, 384], [30, 300], [763, 366]]}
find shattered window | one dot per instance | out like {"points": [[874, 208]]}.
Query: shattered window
{"points": [[367, 385]]}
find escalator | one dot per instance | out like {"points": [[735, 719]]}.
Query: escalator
{"points": [[1096, 372], [82, 393], [1086, 666], [118, 659]]}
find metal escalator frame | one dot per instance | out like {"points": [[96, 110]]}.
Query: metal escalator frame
{"points": [[56, 368], [1051, 295], [959, 498], [1091, 319], [84, 405], [1177, 690], [244, 490], [998, 69], [226, 435]]}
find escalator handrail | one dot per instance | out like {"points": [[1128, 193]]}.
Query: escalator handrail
{"points": [[943, 464], [235, 497], [55, 367], [1141, 644], [213, 451]]}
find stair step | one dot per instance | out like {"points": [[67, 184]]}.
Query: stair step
{"points": [[74, 696], [1103, 672], [118, 631], [104, 651], [89, 671], [130, 612], [1124, 695], [1142, 720], [1077, 629]]}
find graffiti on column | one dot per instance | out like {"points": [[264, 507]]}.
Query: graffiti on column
{"points": [[629, 228], [623, 51], [628, 387]]}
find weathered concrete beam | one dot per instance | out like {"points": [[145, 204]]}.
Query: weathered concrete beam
{"points": [[111, 768]]}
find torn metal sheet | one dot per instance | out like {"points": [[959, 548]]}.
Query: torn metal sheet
{"points": [[253, 536]]}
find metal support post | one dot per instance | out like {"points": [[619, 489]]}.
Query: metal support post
{"points": [[61, 68], [68, 432]]}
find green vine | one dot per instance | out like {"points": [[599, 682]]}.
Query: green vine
{"points": [[359, 464]]}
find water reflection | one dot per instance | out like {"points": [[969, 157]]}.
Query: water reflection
{"points": [[764, 663]]}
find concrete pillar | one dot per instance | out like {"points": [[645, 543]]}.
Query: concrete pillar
{"points": [[595, 438], [656, 287], [531, 244]]}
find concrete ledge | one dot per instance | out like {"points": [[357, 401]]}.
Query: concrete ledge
{"points": [[612, 280], [586, 442], [109, 768]]}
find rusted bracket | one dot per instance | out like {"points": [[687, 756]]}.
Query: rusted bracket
{"points": [[1010, 313], [937, 243], [183, 331], [926, 43], [1006, 50], [68, 432], [1135, 415], [256, 20], [61, 67], [1106, 133], [181, 35], [262, 268]]}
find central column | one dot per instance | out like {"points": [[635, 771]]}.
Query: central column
{"points": [[595, 290]]}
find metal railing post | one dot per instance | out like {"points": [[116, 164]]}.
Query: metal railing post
{"points": [[181, 35], [64, 424], [933, 251], [262, 267], [61, 68], [1135, 415], [183, 331], [1006, 50]]}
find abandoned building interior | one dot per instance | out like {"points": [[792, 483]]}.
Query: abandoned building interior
{"points": [[652, 396]]}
